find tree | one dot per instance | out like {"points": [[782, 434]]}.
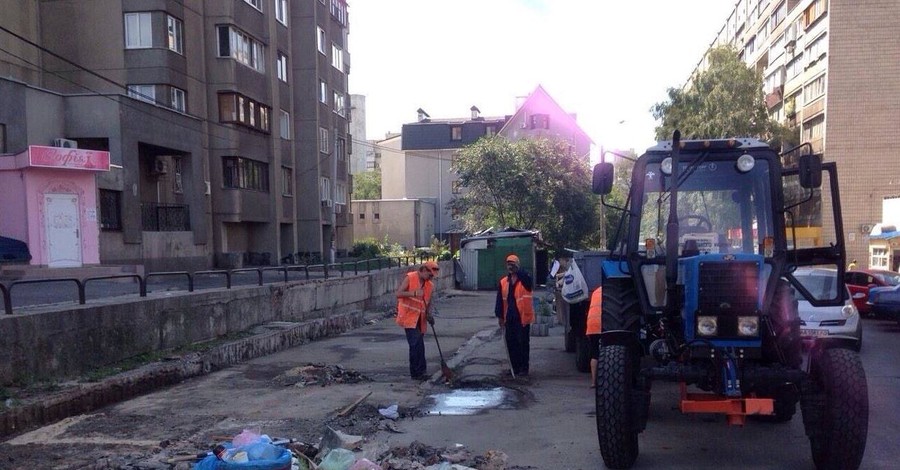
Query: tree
{"points": [[725, 100], [531, 184], [367, 185]]}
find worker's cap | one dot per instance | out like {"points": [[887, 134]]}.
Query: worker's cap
{"points": [[512, 259], [431, 266]]}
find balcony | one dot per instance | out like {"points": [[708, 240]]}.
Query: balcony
{"points": [[813, 110], [157, 217], [774, 98]]}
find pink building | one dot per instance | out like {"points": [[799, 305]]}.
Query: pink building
{"points": [[48, 199]]}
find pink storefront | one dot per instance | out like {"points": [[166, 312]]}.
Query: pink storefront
{"points": [[48, 199]]}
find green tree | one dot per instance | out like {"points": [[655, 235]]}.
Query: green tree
{"points": [[725, 100], [530, 183], [367, 185]]}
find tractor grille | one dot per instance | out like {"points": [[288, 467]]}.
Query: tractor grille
{"points": [[728, 288]]}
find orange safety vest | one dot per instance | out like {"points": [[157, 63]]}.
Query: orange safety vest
{"points": [[523, 300], [411, 310], [595, 312]]}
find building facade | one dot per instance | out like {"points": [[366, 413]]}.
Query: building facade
{"points": [[226, 121], [363, 151], [830, 72], [390, 218]]}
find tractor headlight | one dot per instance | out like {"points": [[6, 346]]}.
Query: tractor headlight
{"points": [[748, 326], [745, 163], [707, 326], [666, 166]]}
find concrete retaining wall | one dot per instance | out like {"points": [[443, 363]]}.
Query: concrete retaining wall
{"points": [[69, 342]]}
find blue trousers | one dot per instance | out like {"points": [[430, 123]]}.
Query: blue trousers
{"points": [[518, 343], [416, 340]]}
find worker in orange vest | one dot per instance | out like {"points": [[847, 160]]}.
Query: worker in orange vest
{"points": [[413, 311], [594, 323], [515, 312]]}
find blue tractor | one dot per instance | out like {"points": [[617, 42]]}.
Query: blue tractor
{"points": [[699, 289]]}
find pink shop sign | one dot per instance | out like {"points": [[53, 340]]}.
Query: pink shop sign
{"points": [[74, 159]]}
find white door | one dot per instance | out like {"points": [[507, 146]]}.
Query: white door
{"points": [[63, 230]]}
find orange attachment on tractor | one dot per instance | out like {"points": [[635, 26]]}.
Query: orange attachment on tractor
{"points": [[735, 409]]}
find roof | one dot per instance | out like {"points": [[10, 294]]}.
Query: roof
{"points": [[743, 143], [885, 235], [537, 94], [508, 232]]}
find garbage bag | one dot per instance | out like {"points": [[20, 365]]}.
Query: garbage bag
{"points": [[245, 437], [575, 288], [389, 412], [338, 459], [281, 459], [365, 464]]}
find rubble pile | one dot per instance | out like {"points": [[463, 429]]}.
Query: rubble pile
{"points": [[319, 374], [419, 456]]}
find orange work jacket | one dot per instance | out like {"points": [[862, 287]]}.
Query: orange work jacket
{"points": [[595, 312], [523, 301], [411, 310]]}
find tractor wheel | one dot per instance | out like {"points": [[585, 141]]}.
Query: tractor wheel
{"points": [[621, 307], [835, 405], [616, 420], [785, 321], [582, 354]]}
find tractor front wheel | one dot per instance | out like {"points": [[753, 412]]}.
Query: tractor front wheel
{"points": [[616, 421], [835, 404]]}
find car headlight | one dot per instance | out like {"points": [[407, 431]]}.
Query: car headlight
{"points": [[848, 310], [748, 326], [707, 326]]}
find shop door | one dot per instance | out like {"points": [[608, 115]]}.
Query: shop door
{"points": [[63, 230]]}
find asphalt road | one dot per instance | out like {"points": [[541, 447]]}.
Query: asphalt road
{"points": [[545, 423]]}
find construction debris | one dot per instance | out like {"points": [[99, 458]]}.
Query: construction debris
{"points": [[319, 374]]}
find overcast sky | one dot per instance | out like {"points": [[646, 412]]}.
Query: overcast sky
{"points": [[607, 61]]}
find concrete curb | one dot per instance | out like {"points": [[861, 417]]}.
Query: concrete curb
{"points": [[88, 397]]}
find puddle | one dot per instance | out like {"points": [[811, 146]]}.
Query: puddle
{"points": [[463, 402]]}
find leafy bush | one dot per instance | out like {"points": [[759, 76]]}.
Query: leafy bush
{"points": [[366, 249]]}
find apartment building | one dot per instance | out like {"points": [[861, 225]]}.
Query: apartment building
{"points": [[226, 121], [830, 71]]}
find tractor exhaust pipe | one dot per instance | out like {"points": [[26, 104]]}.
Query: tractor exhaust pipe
{"points": [[672, 233]]}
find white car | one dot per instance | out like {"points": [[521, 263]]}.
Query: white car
{"points": [[817, 322]]}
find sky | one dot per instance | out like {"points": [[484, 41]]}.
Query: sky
{"points": [[608, 61]]}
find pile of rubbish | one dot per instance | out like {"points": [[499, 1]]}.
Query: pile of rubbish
{"points": [[418, 456], [319, 374]]}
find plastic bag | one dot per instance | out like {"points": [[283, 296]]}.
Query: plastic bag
{"points": [[390, 412], [245, 437], [365, 464], [338, 459], [574, 287], [282, 461]]}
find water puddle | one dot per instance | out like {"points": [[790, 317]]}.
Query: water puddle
{"points": [[464, 402]]}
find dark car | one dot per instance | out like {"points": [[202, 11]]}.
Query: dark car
{"points": [[13, 251], [885, 301], [861, 281]]}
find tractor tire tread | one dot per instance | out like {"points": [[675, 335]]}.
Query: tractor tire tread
{"points": [[615, 418]]}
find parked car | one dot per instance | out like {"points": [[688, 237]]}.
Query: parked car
{"points": [[862, 280], [885, 301], [13, 251], [815, 322]]}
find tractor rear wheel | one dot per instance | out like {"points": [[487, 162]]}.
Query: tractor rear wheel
{"points": [[616, 420], [621, 307], [835, 404]]}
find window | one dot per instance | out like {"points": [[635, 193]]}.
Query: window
{"points": [[322, 41], [337, 57], [175, 34], [323, 140], [455, 132], [778, 15], [178, 101], [814, 89], [814, 129], [539, 121], [879, 258], [255, 4], [324, 189], [287, 181], [795, 66], [376, 216], [323, 92], [751, 46], [339, 103], [490, 131], [238, 109], [362, 215], [238, 45], [285, 124], [281, 11], [143, 92], [774, 80], [812, 13], [340, 148], [281, 67], [243, 173], [110, 210], [340, 193], [178, 181], [138, 31], [816, 49], [339, 11]]}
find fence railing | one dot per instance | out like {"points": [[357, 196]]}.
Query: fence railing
{"points": [[327, 269]]}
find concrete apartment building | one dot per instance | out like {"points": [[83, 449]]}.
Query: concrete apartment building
{"points": [[831, 71], [226, 121]]}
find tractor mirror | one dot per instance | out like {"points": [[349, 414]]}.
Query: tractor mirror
{"points": [[810, 171], [604, 174]]}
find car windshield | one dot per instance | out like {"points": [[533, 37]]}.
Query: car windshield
{"points": [[889, 279], [720, 209]]}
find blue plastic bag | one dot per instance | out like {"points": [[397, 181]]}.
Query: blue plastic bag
{"points": [[279, 459]]}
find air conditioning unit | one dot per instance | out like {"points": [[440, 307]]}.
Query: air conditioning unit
{"points": [[327, 203], [65, 143], [338, 208], [865, 229], [160, 166]]}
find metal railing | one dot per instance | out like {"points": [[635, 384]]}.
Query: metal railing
{"points": [[327, 269]]}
